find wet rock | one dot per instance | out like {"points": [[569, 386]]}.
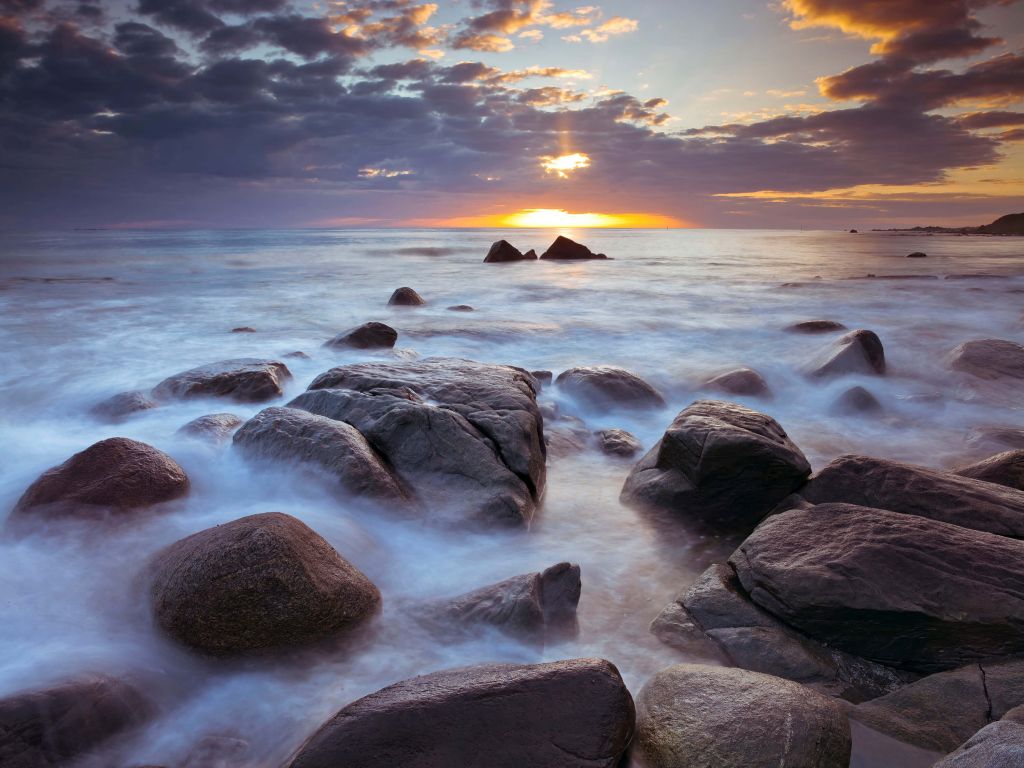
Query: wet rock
{"points": [[534, 606], [264, 582], [116, 475], [299, 355], [693, 715], [543, 377], [1006, 468], [503, 250], [1008, 437], [51, 726], [917, 255], [941, 711], [989, 359], [815, 326], [218, 752], [334, 447], [460, 308], [366, 336], [741, 381], [912, 490], [243, 329], [245, 380], [530, 254], [900, 590], [998, 745], [618, 442], [719, 464], [213, 427], [405, 297], [123, 405], [607, 387], [565, 714], [564, 248], [565, 436], [856, 400], [858, 352]]}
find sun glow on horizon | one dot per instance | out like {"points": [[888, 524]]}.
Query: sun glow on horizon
{"points": [[555, 218]]}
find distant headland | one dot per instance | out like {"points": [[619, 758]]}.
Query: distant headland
{"points": [[1010, 224]]}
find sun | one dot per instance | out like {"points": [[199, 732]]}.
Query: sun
{"points": [[563, 165], [558, 217]]}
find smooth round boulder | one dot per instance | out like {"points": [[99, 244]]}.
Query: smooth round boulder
{"points": [[406, 297], [815, 326], [695, 716], [123, 405], [856, 400], [1006, 468], [857, 352], [606, 387], [116, 475], [370, 335], [245, 380], [565, 714], [213, 427], [261, 583], [989, 359], [739, 381]]}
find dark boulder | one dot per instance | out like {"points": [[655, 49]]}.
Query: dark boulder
{"points": [[740, 381], [912, 490], [405, 297], [815, 326], [1006, 468], [334, 447], [618, 442], [606, 387], [245, 380], [123, 405], [694, 715], [503, 250], [564, 248], [989, 359], [213, 427], [530, 254], [719, 464], [917, 255], [264, 582], [858, 352], [50, 727], [900, 590], [856, 400], [565, 714], [115, 475], [366, 336], [997, 745]]}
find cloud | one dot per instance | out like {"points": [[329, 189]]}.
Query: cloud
{"points": [[617, 25]]}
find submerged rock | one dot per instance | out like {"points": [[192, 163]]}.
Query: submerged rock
{"points": [[565, 714], [719, 464], [246, 380], [564, 248], [260, 583], [989, 359], [214, 427], [900, 590], [858, 352], [405, 297], [618, 442], [856, 400], [503, 250], [606, 387], [917, 255], [366, 336], [694, 715], [1006, 468], [243, 329], [565, 436], [123, 405], [116, 475], [815, 326], [460, 308], [740, 381]]}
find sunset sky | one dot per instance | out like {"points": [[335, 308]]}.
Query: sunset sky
{"points": [[737, 113]]}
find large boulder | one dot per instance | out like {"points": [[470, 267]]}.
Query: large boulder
{"points": [[1006, 468], [246, 380], [989, 359], [503, 250], [406, 297], [261, 583], [901, 590], [49, 727], [334, 447], [606, 387], [945, 496], [370, 335], [564, 248], [997, 745], [116, 475], [566, 714], [739, 381], [858, 352], [694, 716], [719, 464]]}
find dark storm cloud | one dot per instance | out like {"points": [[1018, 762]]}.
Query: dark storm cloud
{"points": [[136, 39], [991, 119], [192, 16]]}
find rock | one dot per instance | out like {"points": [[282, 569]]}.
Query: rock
{"points": [[618, 442], [917, 255], [334, 447], [606, 387], [49, 727], [530, 254], [740, 381], [858, 352], [405, 297], [116, 475], [122, 405], [719, 464], [218, 752], [214, 427], [941, 711], [900, 590], [534, 606], [564, 248], [998, 745], [543, 377], [913, 490], [989, 359], [815, 326], [853, 231], [565, 714], [984, 437], [243, 329], [717, 609], [503, 250], [856, 400], [693, 716], [566, 436], [246, 380], [264, 582], [366, 336], [299, 355], [1006, 468], [461, 308]]}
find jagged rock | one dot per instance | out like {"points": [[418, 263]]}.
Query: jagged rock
{"points": [[124, 404], [502, 250], [564, 248], [815, 326], [246, 380], [858, 352], [606, 387], [618, 442], [741, 381], [989, 359], [1006, 468], [405, 297], [366, 336], [214, 427]]}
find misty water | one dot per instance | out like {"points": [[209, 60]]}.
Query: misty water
{"points": [[86, 315]]}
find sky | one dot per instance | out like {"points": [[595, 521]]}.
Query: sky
{"points": [[500, 113]]}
